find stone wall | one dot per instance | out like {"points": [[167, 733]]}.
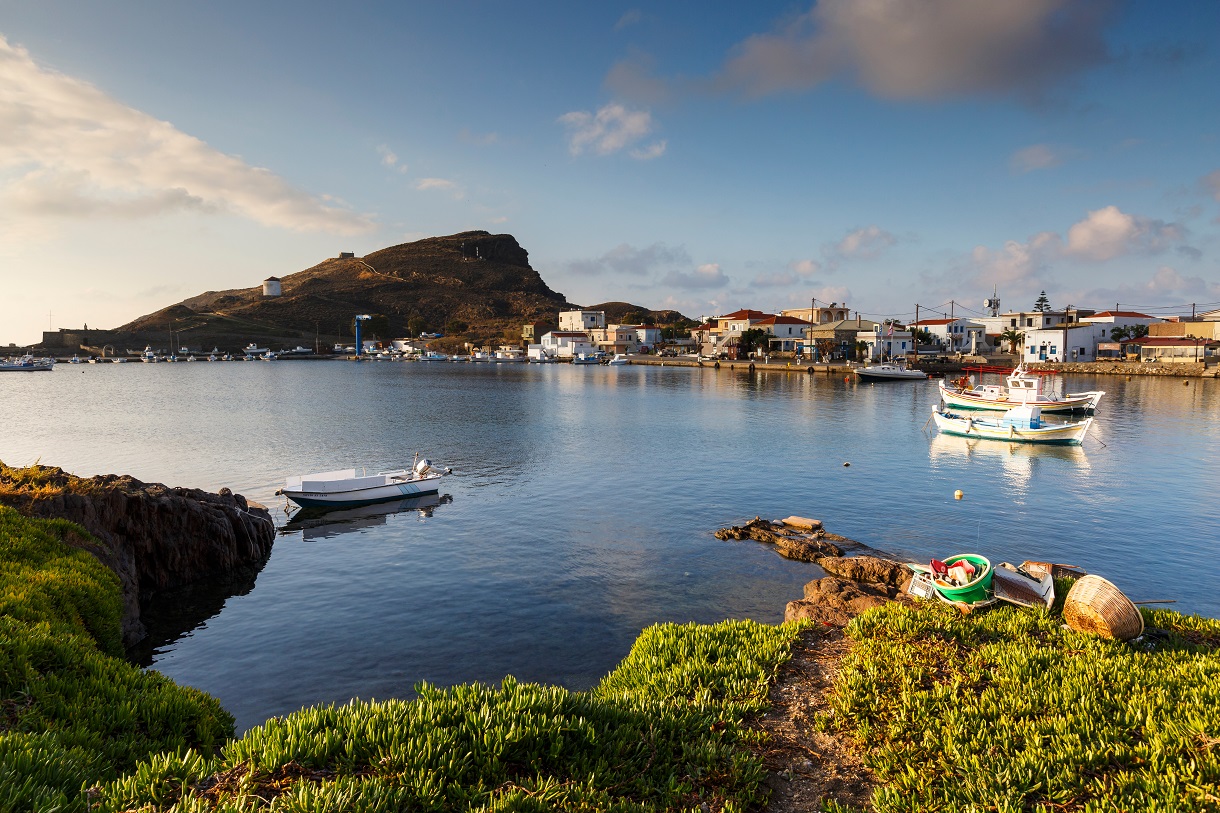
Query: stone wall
{"points": [[1127, 368]]}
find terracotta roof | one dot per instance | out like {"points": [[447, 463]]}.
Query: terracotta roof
{"points": [[1127, 314], [782, 320], [745, 313], [935, 321]]}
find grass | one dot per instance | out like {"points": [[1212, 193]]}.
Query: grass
{"points": [[1010, 711], [71, 713], [664, 731]]}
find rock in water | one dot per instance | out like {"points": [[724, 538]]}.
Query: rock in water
{"points": [[866, 569]]}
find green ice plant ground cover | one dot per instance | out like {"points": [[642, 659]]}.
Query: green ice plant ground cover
{"points": [[71, 713], [1010, 711]]}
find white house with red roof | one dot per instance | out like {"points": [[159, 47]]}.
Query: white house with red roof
{"points": [[564, 344], [789, 334]]}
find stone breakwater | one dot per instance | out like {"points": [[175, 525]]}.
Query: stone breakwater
{"points": [[1186, 370], [152, 536]]}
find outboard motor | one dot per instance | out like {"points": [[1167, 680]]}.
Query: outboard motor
{"points": [[422, 467]]}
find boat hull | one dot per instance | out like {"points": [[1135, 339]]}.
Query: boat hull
{"points": [[905, 375], [1072, 402], [363, 496], [1068, 434]]}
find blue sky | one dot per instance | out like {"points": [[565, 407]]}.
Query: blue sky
{"points": [[682, 154]]}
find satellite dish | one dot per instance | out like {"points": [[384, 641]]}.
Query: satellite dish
{"points": [[986, 303]]}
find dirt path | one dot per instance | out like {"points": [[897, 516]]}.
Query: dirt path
{"points": [[807, 766]]}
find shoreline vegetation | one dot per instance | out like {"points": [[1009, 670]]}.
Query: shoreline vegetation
{"points": [[908, 707]]}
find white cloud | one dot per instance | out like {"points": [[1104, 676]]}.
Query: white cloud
{"points": [[440, 185], [478, 139], [607, 131], [798, 271], [1109, 232], [627, 259], [1165, 286], [705, 276], [630, 17], [1035, 156], [867, 243], [69, 150], [389, 159], [1211, 182], [654, 150], [498, 219], [907, 49]]}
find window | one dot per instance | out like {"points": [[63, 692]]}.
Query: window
{"points": [[1029, 322]]}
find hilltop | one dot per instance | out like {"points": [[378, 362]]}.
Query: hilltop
{"points": [[473, 286]]}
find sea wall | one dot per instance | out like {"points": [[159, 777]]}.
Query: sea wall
{"points": [[1184, 370], [152, 536]]}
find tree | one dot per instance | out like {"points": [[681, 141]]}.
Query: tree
{"points": [[923, 336], [456, 326], [416, 326], [1012, 336], [1043, 304], [861, 350], [1119, 334], [826, 348], [750, 340]]}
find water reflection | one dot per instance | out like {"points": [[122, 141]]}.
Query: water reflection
{"points": [[1020, 461], [320, 523]]}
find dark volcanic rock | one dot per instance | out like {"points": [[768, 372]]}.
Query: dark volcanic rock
{"points": [[836, 601], [789, 544], [152, 536]]}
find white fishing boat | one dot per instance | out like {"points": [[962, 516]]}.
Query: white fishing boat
{"points": [[345, 488], [1021, 424], [27, 364], [618, 359], [586, 358], [149, 356], [431, 356], [1023, 387], [76, 360], [891, 371], [510, 354], [118, 360], [253, 349]]}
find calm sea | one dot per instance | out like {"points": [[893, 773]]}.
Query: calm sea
{"points": [[583, 504]]}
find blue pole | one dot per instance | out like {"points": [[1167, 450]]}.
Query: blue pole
{"points": [[359, 341]]}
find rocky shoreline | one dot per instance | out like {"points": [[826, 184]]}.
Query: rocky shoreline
{"points": [[152, 536], [853, 584]]}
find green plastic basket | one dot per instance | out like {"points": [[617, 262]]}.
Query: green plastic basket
{"points": [[977, 590]]}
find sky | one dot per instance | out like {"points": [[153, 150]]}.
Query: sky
{"points": [[690, 155]]}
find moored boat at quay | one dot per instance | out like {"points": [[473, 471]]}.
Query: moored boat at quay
{"points": [[1023, 387], [1020, 424], [891, 371], [27, 364]]}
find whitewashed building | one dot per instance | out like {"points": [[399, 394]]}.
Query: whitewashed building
{"points": [[956, 335], [583, 321], [884, 344], [788, 333], [564, 344]]}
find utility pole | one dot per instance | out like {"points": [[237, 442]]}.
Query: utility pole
{"points": [[914, 333]]}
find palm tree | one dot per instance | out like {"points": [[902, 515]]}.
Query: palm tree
{"points": [[1012, 336]]}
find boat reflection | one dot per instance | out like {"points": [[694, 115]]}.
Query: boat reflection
{"points": [[317, 523], [950, 446]]}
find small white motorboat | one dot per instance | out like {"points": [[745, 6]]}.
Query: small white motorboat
{"points": [[253, 349], [1021, 424], [346, 488], [586, 358], [1023, 388], [618, 359], [891, 371]]}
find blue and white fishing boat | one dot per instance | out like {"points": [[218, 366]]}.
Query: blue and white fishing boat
{"points": [[28, 364], [1021, 424], [346, 488]]}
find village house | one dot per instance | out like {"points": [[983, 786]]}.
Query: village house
{"points": [[583, 321], [837, 340], [565, 344], [956, 335], [788, 333], [886, 343]]}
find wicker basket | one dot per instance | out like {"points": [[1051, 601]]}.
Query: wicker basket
{"points": [[1097, 606]]}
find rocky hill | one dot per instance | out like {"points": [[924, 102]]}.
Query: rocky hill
{"points": [[473, 283]]}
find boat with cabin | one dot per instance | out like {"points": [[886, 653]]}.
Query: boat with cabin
{"points": [[618, 359], [1020, 424], [586, 358], [27, 364], [891, 371], [1024, 387], [345, 488]]}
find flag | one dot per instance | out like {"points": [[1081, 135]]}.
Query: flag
{"points": [[891, 330]]}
